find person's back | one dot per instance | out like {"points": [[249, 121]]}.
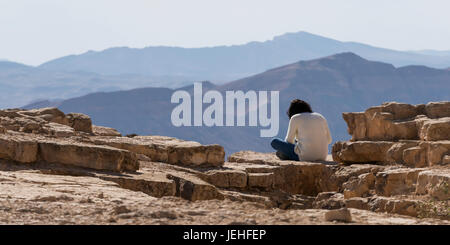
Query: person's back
{"points": [[312, 134], [308, 135]]}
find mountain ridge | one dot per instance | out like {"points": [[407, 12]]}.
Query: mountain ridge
{"points": [[226, 63], [332, 85]]}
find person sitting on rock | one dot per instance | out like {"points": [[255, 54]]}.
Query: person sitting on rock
{"points": [[308, 135]]}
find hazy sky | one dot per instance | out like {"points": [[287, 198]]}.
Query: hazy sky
{"points": [[35, 31]]}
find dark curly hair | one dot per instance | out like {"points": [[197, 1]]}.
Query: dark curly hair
{"points": [[298, 106]]}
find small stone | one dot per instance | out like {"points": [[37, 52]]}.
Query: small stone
{"points": [[341, 215]]}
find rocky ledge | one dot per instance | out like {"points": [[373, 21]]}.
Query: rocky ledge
{"points": [[58, 168]]}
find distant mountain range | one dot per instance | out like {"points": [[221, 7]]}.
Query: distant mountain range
{"points": [[21, 84], [171, 67], [339, 83], [226, 63]]}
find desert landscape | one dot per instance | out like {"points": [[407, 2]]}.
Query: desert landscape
{"points": [[58, 168]]}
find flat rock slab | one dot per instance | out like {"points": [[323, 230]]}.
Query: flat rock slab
{"points": [[267, 159], [150, 182], [105, 131], [167, 149], [88, 156], [29, 148], [226, 178], [46, 121], [294, 177], [411, 153]]}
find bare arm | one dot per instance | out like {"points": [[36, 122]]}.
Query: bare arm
{"points": [[292, 131]]}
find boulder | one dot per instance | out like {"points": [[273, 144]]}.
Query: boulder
{"points": [[341, 215], [80, 122]]}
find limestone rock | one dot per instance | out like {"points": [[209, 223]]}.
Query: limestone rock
{"points": [[436, 151], [414, 157], [346, 173], [105, 131], [294, 177], [49, 114], [438, 129], [192, 188], [435, 183], [260, 180], [360, 186], [167, 149], [357, 202], [438, 109], [397, 181], [149, 182], [2, 130], [226, 178], [329, 200], [395, 154], [446, 160], [254, 157], [410, 153], [408, 207], [55, 129], [80, 122], [361, 151], [341, 215], [18, 148], [396, 121], [247, 197], [88, 156]]}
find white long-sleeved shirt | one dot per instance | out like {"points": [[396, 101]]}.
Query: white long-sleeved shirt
{"points": [[310, 134]]}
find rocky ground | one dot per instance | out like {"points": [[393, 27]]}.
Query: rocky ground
{"points": [[61, 169]]}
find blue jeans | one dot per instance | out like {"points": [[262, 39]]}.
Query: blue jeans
{"points": [[285, 148]]}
